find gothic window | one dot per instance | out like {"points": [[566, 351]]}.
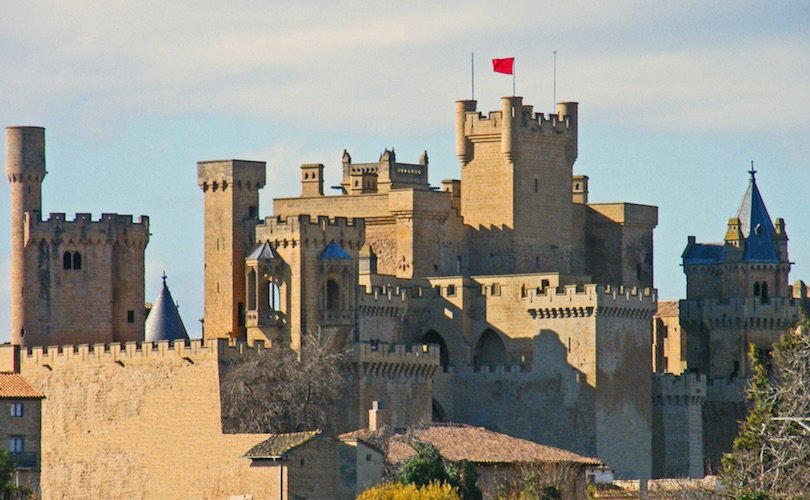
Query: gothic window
{"points": [[764, 294], [67, 261], [432, 337], [332, 295], [490, 350], [77, 260], [756, 289], [251, 289]]}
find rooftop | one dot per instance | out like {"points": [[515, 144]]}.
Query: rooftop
{"points": [[13, 386], [278, 444]]}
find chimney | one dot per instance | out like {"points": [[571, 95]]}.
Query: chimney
{"points": [[377, 417]]}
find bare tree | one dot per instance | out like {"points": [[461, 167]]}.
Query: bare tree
{"points": [[285, 391]]}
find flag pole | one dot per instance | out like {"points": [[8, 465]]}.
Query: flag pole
{"points": [[472, 74], [513, 78]]}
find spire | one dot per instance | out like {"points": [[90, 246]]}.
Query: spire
{"points": [[163, 322], [756, 225]]}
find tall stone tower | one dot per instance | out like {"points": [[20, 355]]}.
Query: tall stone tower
{"points": [[25, 168], [72, 281], [231, 190], [516, 170]]}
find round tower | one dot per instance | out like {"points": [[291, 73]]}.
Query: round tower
{"points": [[25, 168]]}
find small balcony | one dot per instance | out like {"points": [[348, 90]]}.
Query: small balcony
{"points": [[25, 459], [336, 317]]}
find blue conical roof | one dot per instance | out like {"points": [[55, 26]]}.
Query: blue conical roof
{"points": [[163, 322], [756, 225], [333, 251]]}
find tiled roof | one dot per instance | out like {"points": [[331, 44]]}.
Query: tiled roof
{"points": [[703, 253], [475, 444], [278, 444], [13, 386], [667, 308]]}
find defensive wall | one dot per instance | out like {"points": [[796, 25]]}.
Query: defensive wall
{"points": [[678, 424]]}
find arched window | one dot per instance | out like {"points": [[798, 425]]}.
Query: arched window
{"points": [[764, 294], [756, 289], [432, 337], [77, 260], [251, 287], [490, 350], [67, 261], [274, 296], [332, 295]]}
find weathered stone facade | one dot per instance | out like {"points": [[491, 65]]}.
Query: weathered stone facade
{"points": [[537, 299]]}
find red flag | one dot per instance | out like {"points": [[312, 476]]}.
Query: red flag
{"points": [[503, 65]]}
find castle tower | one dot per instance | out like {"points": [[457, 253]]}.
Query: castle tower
{"points": [[516, 170], [267, 294], [231, 190], [25, 168], [164, 322]]}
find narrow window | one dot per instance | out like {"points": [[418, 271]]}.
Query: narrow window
{"points": [[274, 297], [77, 260], [764, 295], [16, 409], [458, 264], [67, 261], [756, 289], [451, 290], [332, 295], [253, 212], [15, 444], [240, 312], [535, 185], [130, 316]]}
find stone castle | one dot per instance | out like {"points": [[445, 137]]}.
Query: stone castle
{"points": [[530, 312]]}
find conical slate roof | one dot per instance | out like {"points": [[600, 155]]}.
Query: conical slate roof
{"points": [[756, 225], [262, 252], [333, 251], [163, 322]]}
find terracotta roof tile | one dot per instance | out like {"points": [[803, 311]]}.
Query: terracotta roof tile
{"points": [[476, 444], [278, 444], [13, 386]]}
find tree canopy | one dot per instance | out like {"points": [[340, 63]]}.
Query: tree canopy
{"points": [[771, 454]]}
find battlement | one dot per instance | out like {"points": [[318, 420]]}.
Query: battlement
{"points": [[776, 313], [386, 359], [109, 227], [590, 299], [476, 124], [283, 230], [121, 353], [219, 175], [687, 389], [723, 389]]}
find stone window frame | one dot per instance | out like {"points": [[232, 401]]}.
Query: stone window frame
{"points": [[16, 444]]}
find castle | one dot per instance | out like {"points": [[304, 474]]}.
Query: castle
{"points": [[737, 294], [504, 299]]}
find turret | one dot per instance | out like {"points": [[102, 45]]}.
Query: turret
{"points": [[25, 168], [231, 189]]}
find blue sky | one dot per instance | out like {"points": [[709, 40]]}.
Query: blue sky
{"points": [[676, 99]]}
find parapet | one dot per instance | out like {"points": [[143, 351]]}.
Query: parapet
{"points": [[82, 228], [591, 299], [685, 389], [305, 227], [513, 123], [385, 359], [219, 175], [122, 353], [777, 313]]}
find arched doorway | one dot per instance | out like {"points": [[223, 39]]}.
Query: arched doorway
{"points": [[438, 414], [433, 337], [490, 350]]}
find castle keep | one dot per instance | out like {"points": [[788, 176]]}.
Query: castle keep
{"points": [[503, 299], [539, 302], [61, 269]]}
